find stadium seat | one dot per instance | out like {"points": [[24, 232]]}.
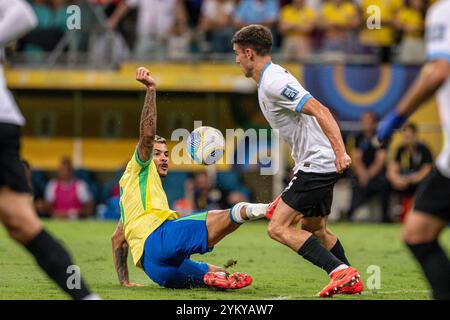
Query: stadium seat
{"points": [[228, 180], [39, 180]]}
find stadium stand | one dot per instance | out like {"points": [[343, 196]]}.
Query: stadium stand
{"points": [[89, 111]]}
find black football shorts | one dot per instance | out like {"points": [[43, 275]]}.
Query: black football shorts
{"points": [[433, 195], [310, 193], [12, 169]]}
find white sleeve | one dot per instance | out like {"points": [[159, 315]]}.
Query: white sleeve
{"points": [[287, 92], [438, 32], [50, 191], [16, 19], [83, 192]]}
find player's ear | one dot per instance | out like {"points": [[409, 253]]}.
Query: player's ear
{"points": [[249, 53]]}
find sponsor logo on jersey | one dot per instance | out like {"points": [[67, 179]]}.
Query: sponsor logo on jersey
{"points": [[290, 93]]}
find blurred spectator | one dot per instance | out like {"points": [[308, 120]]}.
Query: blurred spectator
{"points": [[337, 18], [67, 196], [215, 25], [297, 20], [51, 27], [263, 12], [179, 42], [126, 26], [155, 20], [193, 9], [379, 40], [410, 21], [235, 197], [109, 207], [206, 196], [186, 205], [413, 161], [315, 4], [369, 166]]}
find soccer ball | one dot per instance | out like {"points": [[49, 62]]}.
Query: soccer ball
{"points": [[206, 145]]}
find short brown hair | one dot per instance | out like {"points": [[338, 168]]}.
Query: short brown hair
{"points": [[159, 139], [255, 37]]}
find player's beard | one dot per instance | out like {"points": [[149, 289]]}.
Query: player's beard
{"points": [[248, 70], [163, 172], [249, 73]]}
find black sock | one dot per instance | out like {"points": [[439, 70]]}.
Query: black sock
{"points": [[55, 261], [339, 252], [313, 251], [436, 267]]}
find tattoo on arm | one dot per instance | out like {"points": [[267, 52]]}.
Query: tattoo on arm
{"points": [[120, 253], [120, 261], [147, 126]]}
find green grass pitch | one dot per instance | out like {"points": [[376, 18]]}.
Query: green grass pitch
{"points": [[278, 273]]}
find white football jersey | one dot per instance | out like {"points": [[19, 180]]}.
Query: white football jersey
{"points": [[438, 47], [16, 18], [281, 99]]}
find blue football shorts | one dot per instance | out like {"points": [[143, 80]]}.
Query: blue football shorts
{"points": [[167, 250]]}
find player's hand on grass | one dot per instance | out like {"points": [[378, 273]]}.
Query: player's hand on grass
{"points": [[131, 284], [143, 76], [342, 162]]}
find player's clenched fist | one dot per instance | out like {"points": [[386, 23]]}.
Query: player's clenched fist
{"points": [[143, 76], [343, 162]]}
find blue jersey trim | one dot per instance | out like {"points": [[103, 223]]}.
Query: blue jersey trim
{"points": [[439, 56], [262, 72], [302, 102]]}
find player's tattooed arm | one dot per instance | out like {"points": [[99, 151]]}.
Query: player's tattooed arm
{"points": [[120, 256], [331, 129], [147, 128]]}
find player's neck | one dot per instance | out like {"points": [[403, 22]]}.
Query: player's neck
{"points": [[260, 66]]}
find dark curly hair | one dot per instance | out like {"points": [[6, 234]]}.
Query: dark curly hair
{"points": [[255, 37]]}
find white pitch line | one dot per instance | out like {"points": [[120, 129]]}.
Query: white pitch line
{"points": [[364, 293]]}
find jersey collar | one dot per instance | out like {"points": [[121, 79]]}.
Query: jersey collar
{"points": [[262, 72]]}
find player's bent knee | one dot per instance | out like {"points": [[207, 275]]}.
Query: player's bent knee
{"points": [[412, 234], [275, 232], [22, 229]]}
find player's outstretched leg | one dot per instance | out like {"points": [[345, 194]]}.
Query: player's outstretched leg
{"points": [[282, 228], [220, 223], [23, 225], [420, 234], [167, 251]]}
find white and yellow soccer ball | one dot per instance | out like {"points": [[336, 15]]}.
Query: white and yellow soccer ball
{"points": [[206, 145]]}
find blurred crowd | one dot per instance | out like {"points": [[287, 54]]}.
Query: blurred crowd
{"points": [[76, 193], [177, 29], [389, 177]]}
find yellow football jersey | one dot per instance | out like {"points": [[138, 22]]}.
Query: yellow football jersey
{"points": [[290, 14], [411, 17], [338, 15], [143, 204]]}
